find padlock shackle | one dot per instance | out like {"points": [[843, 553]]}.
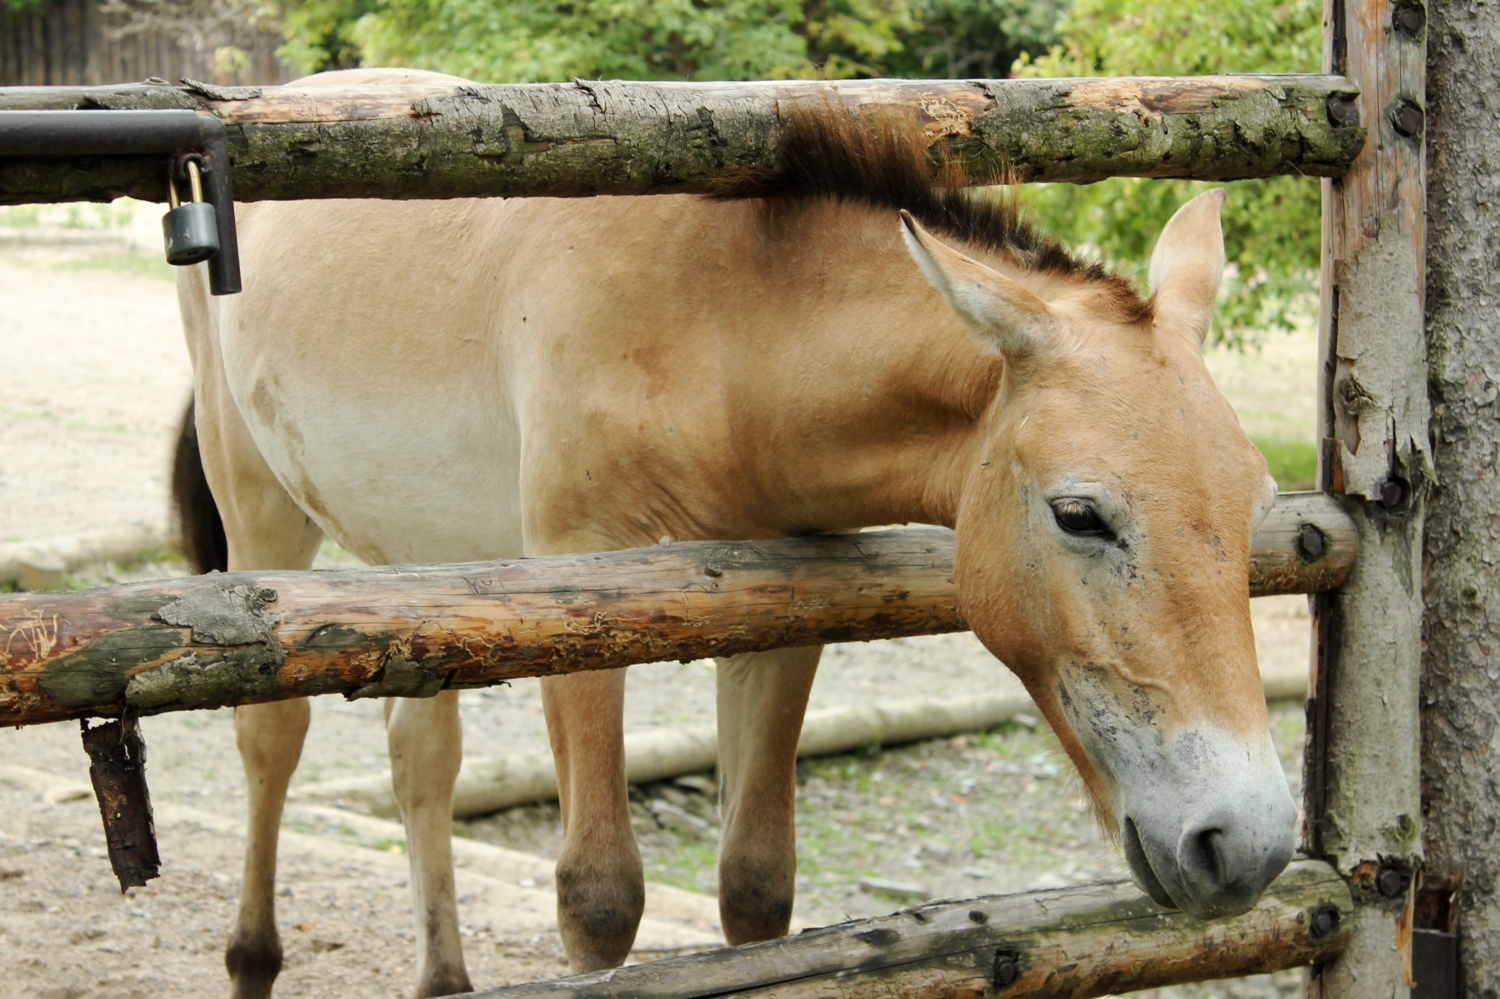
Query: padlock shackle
{"points": [[40, 134], [195, 180]]}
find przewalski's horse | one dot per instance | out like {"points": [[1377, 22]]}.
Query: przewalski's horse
{"points": [[430, 382]]}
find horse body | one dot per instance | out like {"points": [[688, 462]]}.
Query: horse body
{"points": [[485, 379]]}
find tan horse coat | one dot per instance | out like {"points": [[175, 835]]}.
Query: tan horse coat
{"points": [[482, 379]]}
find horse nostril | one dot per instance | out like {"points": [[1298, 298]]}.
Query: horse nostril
{"points": [[1210, 863]]}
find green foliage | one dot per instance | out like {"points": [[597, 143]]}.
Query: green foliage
{"points": [[1294, 463], [320, 34], [973, 39], [23, 6], [526, 40], [1271, 227]]}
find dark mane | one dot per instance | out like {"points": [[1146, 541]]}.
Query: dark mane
{"points": [[882, 161]]}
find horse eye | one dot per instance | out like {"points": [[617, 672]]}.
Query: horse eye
{"points": [[1078, 517]]}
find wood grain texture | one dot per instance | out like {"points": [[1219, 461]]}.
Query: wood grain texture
{"points": [[1091, 940], [247, 637], [586, 138], [1362, 787]]}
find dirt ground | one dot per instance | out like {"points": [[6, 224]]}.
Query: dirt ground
{"points": [[92, 379]]}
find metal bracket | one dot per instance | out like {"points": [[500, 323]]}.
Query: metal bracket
{"points": [[169, 133]]}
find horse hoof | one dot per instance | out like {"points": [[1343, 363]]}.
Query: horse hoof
{"points": [[253, 966], [444, 982]]}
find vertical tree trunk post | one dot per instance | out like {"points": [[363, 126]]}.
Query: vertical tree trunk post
{"points": [[1362, 785], [1461, 628]]}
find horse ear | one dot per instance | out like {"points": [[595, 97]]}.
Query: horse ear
{"points": [[1188, 264], [1003, 314]]}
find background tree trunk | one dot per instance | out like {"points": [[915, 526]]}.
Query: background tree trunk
{"points": [[1461, 628]]}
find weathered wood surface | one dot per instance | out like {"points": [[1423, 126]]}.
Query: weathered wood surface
{"points": [[586, 138], [1461, 573], [247, 637], [1091, 940], [1363, 798]]}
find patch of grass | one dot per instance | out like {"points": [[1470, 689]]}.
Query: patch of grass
{"points": [[138, 264], [1294, 463]]}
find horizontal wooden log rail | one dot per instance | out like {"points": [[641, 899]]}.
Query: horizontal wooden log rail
{"points": [[1082, 942], [249, 637], [586, 138]]}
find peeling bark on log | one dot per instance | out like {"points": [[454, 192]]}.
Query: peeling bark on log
{"points": [[117, 768], [1092, 940], [586, 138], [1461, 569], [1362, 789], [248, 637]]}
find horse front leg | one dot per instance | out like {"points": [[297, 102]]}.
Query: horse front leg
{"points": [[426, 745], [762, 697], [601, 888]]}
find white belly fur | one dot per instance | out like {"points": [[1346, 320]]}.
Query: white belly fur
{"points": [[370, 381]]}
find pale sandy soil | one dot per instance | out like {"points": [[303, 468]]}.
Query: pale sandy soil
{"points": [[92, 379]]}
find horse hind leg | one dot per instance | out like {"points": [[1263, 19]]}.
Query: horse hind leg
{"points": [[269, 737], [762, 697], [426, 745], [262, 529]]}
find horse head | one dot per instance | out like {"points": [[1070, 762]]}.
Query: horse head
{"points": [[1102, 553]]}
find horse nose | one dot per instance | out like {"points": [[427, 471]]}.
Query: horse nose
{"points": [[1225, 862], [1214, 865]]}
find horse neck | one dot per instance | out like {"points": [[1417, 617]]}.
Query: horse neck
{"points": [[866, 392]]}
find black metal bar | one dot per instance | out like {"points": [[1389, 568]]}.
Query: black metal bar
{"points": [[224, 266], [101, 133], [49, 134]]}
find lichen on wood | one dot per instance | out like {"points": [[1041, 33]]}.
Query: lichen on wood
{"points": [[585, 138], [1363, 802], [1087, 941], [241, 638]]}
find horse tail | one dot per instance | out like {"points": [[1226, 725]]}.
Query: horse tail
{"points": [[198, 520]]}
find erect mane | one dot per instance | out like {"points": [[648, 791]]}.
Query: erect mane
{"points": [[881, 160]]}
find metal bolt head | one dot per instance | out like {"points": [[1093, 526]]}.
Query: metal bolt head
{"points": [[1310, 542], [1389, 882], [712, 570], [1323, 922], [1342, 111], [1392, 492], [1409, 20], [1409, 120], [1006, 970]]}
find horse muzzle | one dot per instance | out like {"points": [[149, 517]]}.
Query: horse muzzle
{"points": [[1209, 845]]}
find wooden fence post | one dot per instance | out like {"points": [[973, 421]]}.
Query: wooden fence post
{"points": [[1362, 781]]}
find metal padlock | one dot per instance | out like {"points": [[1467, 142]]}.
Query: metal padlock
{"points": [[191, 231]]}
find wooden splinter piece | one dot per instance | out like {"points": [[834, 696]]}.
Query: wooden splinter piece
{"points": [[117, 767]]}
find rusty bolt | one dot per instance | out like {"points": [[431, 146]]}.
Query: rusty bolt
{"points": [[1310, 542], [1342, 111], [1409, 19], [1389, 882], [1006, 969], [1409, 120], [1392, 493], [1324, 921]]}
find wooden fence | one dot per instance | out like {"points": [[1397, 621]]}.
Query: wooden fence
{"points": [[1361, 126], [83, 43]]}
